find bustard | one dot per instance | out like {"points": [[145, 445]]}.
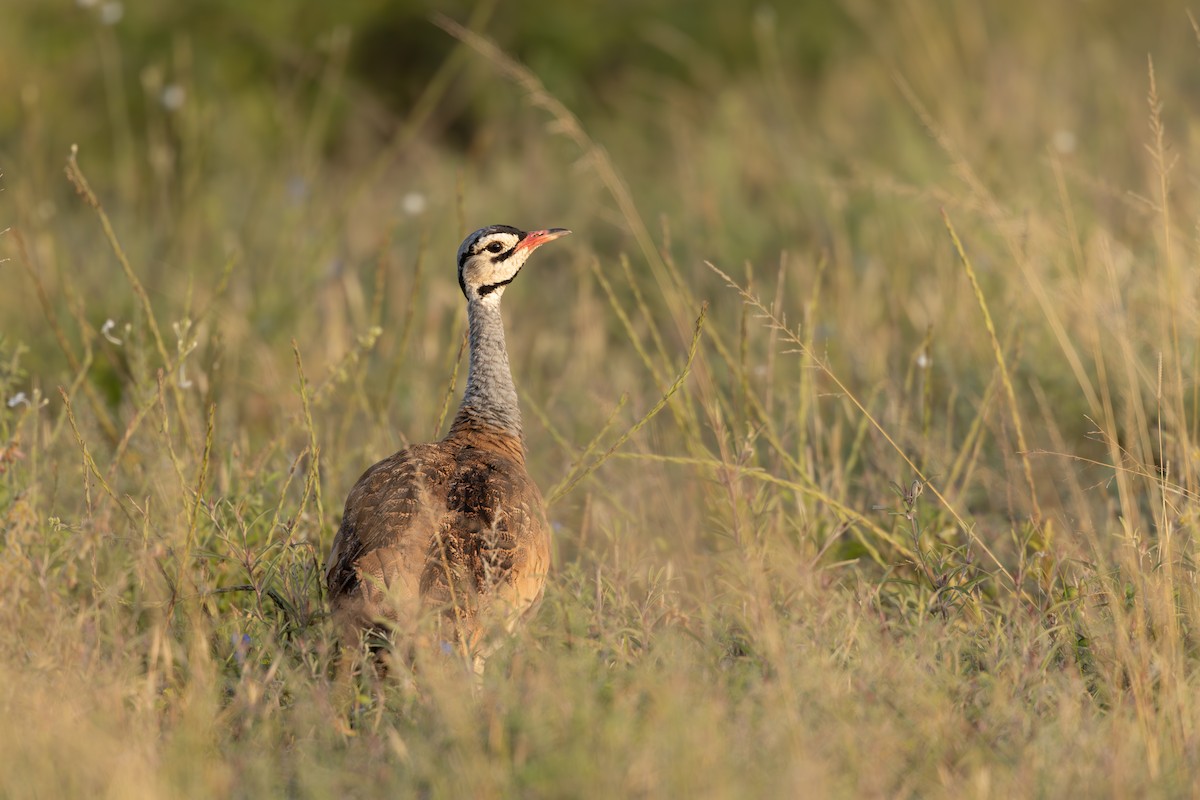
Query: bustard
{"points": [[456, 525]]}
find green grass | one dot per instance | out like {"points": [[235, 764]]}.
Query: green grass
{"points": [[864, 397]]}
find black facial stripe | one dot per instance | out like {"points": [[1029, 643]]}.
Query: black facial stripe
{"points": [[504, 256], [486, 232], [471, 248], [520, 234], [484, 291], [462, 262]]}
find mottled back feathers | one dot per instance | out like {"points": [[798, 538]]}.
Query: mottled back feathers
{"points": [[455, 527]]}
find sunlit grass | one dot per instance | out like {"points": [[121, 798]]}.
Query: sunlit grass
{"points": [[895, 495]]}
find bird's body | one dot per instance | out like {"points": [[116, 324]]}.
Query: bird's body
{"points": [[458, 525]]}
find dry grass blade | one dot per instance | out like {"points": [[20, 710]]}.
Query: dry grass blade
{"points": [[185, 558], [448, 395], [80, 182], [1006, 381], [314, 466], [626, 322], [560, 491], [60, 336], [578, 464], [797, 341], [87, 456], [844, 512]]}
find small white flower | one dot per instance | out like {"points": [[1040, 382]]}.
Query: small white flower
{"points": [[173, 97], [297, 188], [1064, 141], [17, 399], [183, 347], [414, 203], [111, 12], [106, 331], [924, 361]]}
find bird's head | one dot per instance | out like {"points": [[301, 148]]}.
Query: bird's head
{"points": [[491, 257]]}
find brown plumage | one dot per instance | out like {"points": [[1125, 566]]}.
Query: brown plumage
{"points": [[456, 526]]}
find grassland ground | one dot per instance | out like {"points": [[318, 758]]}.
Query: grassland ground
{"points": [[863, 397]]}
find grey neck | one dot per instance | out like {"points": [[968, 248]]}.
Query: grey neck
{"points": [[490, 398]]}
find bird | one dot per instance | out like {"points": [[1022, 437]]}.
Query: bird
{"points": [[454, 530]]}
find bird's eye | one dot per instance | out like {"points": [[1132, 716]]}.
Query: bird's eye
{"points": [[494, 247]]}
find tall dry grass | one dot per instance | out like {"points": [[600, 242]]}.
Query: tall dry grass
{"points": [[895, 496]]}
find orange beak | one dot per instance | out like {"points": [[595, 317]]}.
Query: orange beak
{"points": [[535, 239]]}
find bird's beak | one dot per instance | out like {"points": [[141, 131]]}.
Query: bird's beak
{"points": [[535, 239]]}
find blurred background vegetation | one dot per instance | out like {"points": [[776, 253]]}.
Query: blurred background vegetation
{"points": [[256, 301]]}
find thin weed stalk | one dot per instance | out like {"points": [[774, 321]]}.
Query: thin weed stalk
{"points": [[1005, 380], [84, 189], [662, 402], [796, 340]]}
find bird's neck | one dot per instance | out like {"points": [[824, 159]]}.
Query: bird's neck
{"points": [[490, 401]]}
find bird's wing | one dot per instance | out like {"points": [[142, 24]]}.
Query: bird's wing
{"points": [[390, 515], [492, 553]]}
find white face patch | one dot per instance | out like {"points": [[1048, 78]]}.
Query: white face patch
{"points": [[495, 244], [490, 263]]}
